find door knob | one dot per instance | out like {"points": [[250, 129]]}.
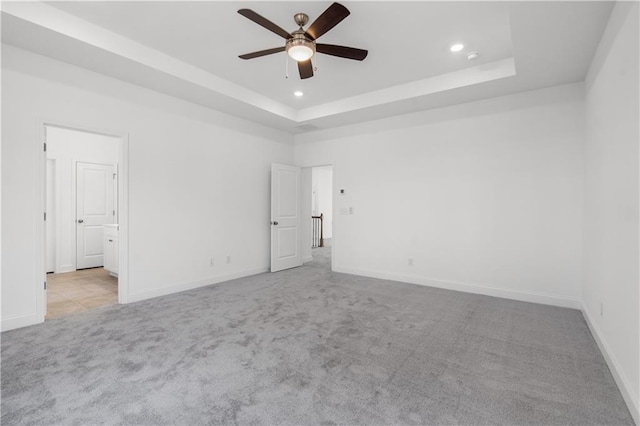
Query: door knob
{"points": [[274, 223], [80, 220]]}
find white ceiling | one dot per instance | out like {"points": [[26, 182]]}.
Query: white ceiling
{"points": [[190, 50], [215, 34]]}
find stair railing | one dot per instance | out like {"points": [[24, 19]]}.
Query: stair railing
{"points": [[317, 239]]}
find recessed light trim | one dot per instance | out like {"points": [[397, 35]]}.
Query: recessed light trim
{"points": [[298, 93], [473, 55], [456, 47]]}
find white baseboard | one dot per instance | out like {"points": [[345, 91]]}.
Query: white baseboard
{"points": [[614, 366], [175, 288], [523, 296], [63, 269], [20, 321]]}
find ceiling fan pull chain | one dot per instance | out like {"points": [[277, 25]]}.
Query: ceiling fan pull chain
{"points": [[286, 66]]}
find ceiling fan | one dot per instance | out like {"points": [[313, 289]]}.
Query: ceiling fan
{"points": [[301, 45]]}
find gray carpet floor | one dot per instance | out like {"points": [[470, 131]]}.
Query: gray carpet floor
{"points": [[308, 346]]}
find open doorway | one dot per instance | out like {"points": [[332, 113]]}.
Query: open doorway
{"points": [[317, 198], [81, 249]]}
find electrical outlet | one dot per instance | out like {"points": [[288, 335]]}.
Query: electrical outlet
{"points": [[228, 259], [601, 309], [212, 262], [410, 262]]}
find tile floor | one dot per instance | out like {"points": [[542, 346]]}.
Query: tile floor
{"points": [[79, 291]]}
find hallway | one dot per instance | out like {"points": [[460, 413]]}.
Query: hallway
{"points": [[80, 291]]}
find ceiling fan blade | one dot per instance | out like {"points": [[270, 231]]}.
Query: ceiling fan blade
{"points": [[305, 68], [261, 53], [342, 51], [329, 19], [264, 22]]}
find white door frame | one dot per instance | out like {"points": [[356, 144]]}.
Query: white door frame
{"points": [[123, 206], [52, 213], [334, 235]]}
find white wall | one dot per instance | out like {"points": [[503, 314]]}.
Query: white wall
{"points": [[66, 147], [198, 180], [484, 197], [322, 189], [611, 246]]}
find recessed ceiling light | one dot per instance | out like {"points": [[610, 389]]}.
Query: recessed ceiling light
{"points": [[457, 47], [473, 55], [298, 93]]}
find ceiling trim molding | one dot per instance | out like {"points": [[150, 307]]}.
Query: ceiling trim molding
{"points": [[440, 83]]}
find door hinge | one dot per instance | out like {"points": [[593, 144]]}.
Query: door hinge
{"points": [[44, 147], [114, 176], [114, 212], [45, 285], [45, 216]]}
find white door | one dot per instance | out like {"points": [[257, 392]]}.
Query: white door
{"points": [[285, 217], [94, 208]]}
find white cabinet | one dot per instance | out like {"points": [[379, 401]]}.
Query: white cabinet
{"points": [[111, 249]]}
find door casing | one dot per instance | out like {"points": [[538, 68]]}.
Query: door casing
{"points": [[51, 207], [306, 197], [41, 191]]}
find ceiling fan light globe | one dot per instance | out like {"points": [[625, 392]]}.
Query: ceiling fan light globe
{"points": [[299, 48], [300, 53]]}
